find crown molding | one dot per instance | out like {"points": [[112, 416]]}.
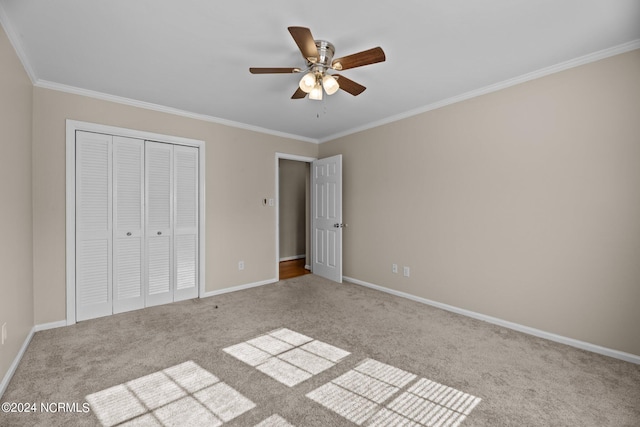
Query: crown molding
{"points": [[14, 39], [163, 109], [572, 63]]}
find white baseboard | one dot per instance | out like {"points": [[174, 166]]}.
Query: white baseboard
{"points": [[307, 267], [52, 325], [238, 288], [628, 357], [25, 345], [291, 258], [16, 362]]}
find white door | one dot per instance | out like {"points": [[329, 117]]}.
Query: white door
{"points": [[186, 222], [159, 222], [326, 222], [94, 238], [128, 219]]}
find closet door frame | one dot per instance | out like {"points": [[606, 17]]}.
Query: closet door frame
{"points": [[71, 127]]}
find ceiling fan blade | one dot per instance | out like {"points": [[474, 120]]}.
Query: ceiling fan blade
{"points": [[303, 38], [254, 70], [299, 94], [349, 86], [359, 59]]}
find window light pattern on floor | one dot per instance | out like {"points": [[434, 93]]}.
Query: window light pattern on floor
{"points": [[360, 395], [275, 421], [185, 394], [287, 356]]}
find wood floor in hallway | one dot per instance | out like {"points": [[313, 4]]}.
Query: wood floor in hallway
{"points": [[293, 268]]}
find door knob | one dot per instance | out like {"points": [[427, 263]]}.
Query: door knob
{"points": [[159, 233], [338, 225], [129, 233]]}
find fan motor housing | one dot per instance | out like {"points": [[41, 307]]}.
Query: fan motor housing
{"points": [[325, 54]]}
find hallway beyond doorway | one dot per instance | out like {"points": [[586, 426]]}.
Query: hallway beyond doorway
{"points": [[292, 268]]}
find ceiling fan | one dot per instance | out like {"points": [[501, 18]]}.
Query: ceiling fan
{"points": [[319, 57]]}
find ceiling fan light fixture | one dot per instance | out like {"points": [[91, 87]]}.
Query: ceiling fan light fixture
{"points": [[318, 55], [316, 92], [330, 84], [308, 82]]}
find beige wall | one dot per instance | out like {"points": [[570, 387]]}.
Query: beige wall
{"points": [[523, 204], [16, 243], [292, 208], [240, 172]]}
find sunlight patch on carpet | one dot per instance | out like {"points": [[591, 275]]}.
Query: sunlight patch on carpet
{"points": [[248, 354], [282, 371], [185, 394], [351, 406], [287, 356], [325, 350], [445, 396], [275, 420], [270, 344], [365, 396], [304, 360], [387, 373], [366, 386]]}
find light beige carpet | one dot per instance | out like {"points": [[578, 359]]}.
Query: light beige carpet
{"points": [[309, 352]]}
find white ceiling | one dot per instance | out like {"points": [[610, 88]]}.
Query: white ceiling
{"points": [[194, 55]]}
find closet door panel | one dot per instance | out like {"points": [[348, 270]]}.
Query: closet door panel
{"points": [[93, 225], [159, 222], [186, 266], [186, 222], [128, 234], [159, 270]]}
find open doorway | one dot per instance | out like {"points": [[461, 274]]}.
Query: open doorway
{"points": [[293, 216]]}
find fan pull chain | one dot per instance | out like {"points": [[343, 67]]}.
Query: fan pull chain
{"points": [[324, 108]]}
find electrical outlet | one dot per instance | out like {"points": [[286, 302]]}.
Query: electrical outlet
{"points": [[4, 332], [407, 271], [240, 265], [394, 268]]}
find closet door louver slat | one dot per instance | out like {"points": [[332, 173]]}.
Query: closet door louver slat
{"points": [[186, 222], [159, 223], [94, 262], [128, 201]]}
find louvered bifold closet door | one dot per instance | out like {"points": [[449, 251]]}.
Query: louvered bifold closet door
{"points": [[93, 225], [128, 219], [159, 222], [186, 222]]}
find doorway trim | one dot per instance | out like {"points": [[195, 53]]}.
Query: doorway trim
{"points": [[295, 157], [71, 127]]}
